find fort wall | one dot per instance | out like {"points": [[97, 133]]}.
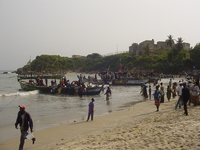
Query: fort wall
{"points": [[138, 49]]}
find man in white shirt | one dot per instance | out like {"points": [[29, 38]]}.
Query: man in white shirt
{"points": [[179, 93]]}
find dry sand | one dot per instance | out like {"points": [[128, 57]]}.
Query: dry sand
{"points": [[136, 128]]}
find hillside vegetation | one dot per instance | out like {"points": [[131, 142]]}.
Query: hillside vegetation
{"points": [[172, 61]]}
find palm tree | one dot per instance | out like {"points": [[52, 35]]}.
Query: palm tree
{"points": [[179, 44], [170, 41]]}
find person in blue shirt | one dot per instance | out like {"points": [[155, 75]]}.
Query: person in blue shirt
{"points": [[157, 97]]}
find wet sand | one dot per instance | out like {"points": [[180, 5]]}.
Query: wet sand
{"points": [[137, 127]]}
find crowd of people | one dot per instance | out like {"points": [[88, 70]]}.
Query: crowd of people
{"points": [[187, 91]]}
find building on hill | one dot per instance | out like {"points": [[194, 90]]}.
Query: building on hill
{"points": [[138, 49]]}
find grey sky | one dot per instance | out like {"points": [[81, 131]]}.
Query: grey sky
{"points": [[82, 27]]}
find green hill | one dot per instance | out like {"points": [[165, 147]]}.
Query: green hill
{"points": [[170, 62]]}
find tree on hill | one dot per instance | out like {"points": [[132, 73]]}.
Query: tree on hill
{"points": [[94, 56], [195, 55], [179, 44], [170, 41]]}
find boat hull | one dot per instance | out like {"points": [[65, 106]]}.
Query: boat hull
{"points": [[29, 87], [75, 91], [93, 90]]}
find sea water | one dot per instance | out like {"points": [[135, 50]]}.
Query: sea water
{"points": [[52, 110]]}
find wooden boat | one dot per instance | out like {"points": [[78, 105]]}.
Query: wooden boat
{"points": [[121, 81], [72, 90], [48, 76], [93, 90], [93, 81], [26, 86], [129, 81]]}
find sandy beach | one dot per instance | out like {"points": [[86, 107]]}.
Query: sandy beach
{"points": [[138, 127]]}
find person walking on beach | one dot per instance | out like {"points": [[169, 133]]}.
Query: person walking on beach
{"points": [[169, 91], [185, 97], [157, 96], [162, 89], [91, 110], [149, 91], [25, 122], [179, 93], [174, 89], [145, 91]]}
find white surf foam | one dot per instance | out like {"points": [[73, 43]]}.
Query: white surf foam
{"points": [[21, 93]]}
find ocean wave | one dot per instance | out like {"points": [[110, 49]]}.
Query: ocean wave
{"points": [[21, 93]]}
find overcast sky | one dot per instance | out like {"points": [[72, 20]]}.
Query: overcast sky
{"points": [[30, 28]]}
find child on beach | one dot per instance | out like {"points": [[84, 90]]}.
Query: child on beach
{"points": [[157, 96]]}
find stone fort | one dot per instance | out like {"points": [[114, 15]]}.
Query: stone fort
{"points": [[138, 49]]}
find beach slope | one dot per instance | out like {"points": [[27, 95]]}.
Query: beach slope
{"points": [[137, 127]]}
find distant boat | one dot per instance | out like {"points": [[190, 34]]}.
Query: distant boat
{"points": [[6, 72], [120, 81], [44, 76], [129, 81], [93, 81]]}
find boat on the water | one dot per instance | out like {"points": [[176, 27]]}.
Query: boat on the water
{"points": [[26, 86], [97, 81], [129, 81], [67, 90], [75, 89], [118, 81], [43, 76]]}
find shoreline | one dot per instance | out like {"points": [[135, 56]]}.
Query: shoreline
{"points": [[137, 127]]}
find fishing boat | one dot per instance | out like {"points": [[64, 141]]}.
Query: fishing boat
{"points": [[87, 89], [129, 81], [94, 90], [96, 81], [67, 90], [118, 81], [43, 76], [26, 86]]}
